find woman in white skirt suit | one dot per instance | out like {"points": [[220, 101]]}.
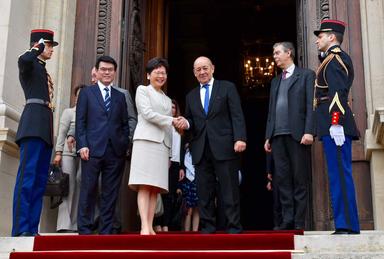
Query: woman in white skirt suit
{"points": [[152, 141]]}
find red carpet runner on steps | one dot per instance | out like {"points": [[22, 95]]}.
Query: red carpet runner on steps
{"points": [[277, 245]]}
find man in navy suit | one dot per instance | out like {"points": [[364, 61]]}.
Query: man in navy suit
{"points": [[216, 122], [102, 139]]}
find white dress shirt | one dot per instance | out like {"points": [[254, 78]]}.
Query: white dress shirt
{"points": [[176, 143], [103, 92], [202, 91], [290, 70]]}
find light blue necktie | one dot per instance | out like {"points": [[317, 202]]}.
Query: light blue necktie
{"points": [[107, 99], [206, 98]]}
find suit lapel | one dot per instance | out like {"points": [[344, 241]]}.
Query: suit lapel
{"points": [[274, 89], [99, 97], [198, 98], [215, 89], [114, 93]]}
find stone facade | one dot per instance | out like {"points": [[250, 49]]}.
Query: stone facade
{"points": [[372, 24], [18, 18]]}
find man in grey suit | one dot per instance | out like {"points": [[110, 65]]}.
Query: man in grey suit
{"points": [[289, 133]]}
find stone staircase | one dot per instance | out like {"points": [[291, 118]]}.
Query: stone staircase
{"points": [[313, 244]]}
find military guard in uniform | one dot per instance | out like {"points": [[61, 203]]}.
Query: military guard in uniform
{"points": [[336, 127], [34, 135]]}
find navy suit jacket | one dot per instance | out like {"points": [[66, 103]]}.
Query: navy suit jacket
{"points": [[95, 126], [222, 126], [36, 119]]}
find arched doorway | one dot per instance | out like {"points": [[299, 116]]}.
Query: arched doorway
{"points": [[232, 33]]}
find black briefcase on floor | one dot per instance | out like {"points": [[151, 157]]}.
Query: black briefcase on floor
{"points": [[57, 185]]}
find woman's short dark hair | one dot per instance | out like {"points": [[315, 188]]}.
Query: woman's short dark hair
{"points": [[77, 89], [156, 63], [106, 59]]}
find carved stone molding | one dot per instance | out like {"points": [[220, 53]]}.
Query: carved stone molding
{"points": [[7, 142], [103, 27], [323, 10], [378, 126], [301, 33], [136, 45]]}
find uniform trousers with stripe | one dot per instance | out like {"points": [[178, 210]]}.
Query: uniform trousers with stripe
{"points": [[30, 185], [343, 197]]}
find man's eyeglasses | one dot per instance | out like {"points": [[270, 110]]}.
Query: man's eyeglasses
{"points": [[105, 69]]}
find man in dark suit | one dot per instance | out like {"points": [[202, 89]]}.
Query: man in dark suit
{"points": [[335, 123], [102, 139], [216, 123], [289, 133], [34, 135]]}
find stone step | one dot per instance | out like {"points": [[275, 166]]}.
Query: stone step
{"points": [[346, 255], [324, 242], [12, 244]]}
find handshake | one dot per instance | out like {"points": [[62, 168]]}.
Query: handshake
{"points": [[180, 123]]}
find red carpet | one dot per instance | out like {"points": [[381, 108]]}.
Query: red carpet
{"points": [[166, 242], [275, 245], [151, 255]]}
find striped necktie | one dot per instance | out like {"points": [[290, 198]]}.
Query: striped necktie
{"points": [[107, 99]]}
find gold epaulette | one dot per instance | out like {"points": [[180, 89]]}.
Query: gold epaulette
{"points": [[336, 50]]}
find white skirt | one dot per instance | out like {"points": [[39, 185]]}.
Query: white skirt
{"points": [[149, 165]]}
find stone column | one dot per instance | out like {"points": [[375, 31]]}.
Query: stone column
{"points": [[18, 18], [372, 24]]}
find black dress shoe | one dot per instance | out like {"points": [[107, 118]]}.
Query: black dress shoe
{"points": [[25, 234], [209, 230], [234, 231], [341, 231], [116, 231], [66, 231], [286, 226]]}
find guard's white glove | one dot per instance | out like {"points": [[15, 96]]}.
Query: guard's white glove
{"points": [[41, 41], [337, 133]]}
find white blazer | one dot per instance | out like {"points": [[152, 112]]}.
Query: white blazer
{"points": [[154, 116]]}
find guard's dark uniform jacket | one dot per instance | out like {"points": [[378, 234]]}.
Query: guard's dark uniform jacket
{"points": [[334, 78], [36, 119]]}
